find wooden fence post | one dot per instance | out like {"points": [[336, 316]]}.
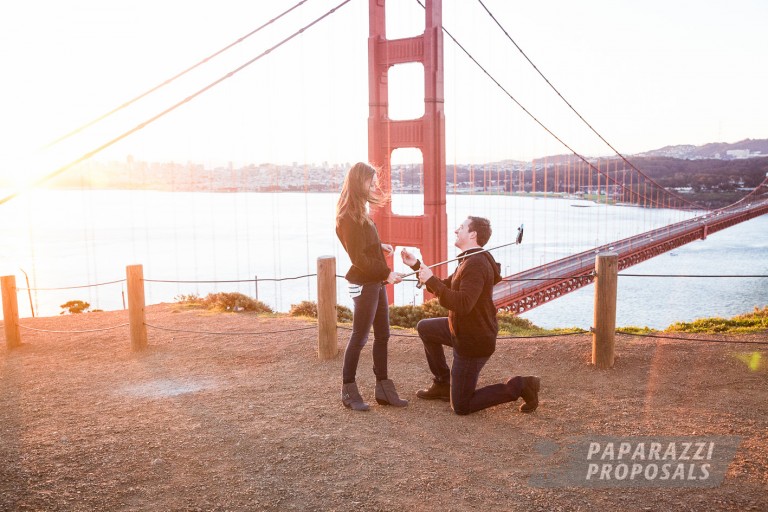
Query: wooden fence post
{"points": [[10, 312], [327, 346], [136, 317], [604, 333]]}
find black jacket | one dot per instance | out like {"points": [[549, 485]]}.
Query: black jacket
{"points": [[468, 296], [361, 241]]}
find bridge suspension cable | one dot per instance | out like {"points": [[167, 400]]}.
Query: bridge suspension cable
{"points": [[618, 153], [762, 188], [650, 200], [170, 80], [142, 125]]}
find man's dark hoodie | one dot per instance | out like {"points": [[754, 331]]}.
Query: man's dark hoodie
{"points": [[468, 296]]}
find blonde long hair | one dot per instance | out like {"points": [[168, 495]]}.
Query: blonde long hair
{"points": [[355, 195]]}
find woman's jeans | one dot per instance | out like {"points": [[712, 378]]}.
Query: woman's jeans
{"points": [[464, 372], [371, 309]]}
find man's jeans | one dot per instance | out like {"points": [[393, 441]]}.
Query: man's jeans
{"points": [[464, 371], [371, 309]]}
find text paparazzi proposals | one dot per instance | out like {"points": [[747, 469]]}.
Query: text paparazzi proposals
{"points": [[637, 462]]}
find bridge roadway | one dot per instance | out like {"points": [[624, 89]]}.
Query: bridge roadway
{"points": [[536, 286]]}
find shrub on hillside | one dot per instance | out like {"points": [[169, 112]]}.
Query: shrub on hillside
{"points": [[74, 307], [633, 329], [343, 314], [511, 323], [405, 316], [309, 308], [749, 322], [191, 299], [409, 316], [304, 308], [225, 301], [433, 309]]}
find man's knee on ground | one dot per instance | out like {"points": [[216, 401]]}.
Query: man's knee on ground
{"points": [[461, 409]]}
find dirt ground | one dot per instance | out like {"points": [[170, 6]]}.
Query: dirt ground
{"points": [[254, 422]]}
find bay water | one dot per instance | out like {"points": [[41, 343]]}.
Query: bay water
{"points": [[72, 245]]}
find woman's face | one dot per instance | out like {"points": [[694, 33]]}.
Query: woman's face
{"points": [[370, 185]]}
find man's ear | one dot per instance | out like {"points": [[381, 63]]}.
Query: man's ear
{"points": [[473, 235]]}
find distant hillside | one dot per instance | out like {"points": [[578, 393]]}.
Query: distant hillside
{"points": [[714, 175], [747, 148], [708, 175]]}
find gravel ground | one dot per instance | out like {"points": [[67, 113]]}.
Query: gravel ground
{"points": [[254, 422]]}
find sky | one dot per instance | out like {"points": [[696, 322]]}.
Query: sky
{"points": [[643, 74]]}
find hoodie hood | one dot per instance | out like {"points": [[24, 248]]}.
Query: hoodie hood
{"points": [[496, 266]]}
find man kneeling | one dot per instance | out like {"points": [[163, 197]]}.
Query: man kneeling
{"points": [[470, 328]]}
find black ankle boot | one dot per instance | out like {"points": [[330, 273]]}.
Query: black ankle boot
{"points": [[387, 395], [351, 398]]}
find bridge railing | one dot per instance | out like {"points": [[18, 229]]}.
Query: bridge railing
{"points": [[533, 287]]}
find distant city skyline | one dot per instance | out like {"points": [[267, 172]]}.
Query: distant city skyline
{"points": [[134, 173], [645, 75], [711, 168]]}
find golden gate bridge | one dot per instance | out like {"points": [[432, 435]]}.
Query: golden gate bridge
{"points": [[610, 181]]}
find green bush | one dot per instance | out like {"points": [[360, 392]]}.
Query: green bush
{"points": [[74, 307], [409, 316], [510, 322], [749, 322], [632, 329], [309, 308], [433, 309], [191, 299], [405, 316], [513, 325], [304, 308], [343, 314], [225, 301]]}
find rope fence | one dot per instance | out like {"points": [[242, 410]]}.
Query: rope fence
{"points": [[74, 332], [395, 334], [229, 333], [703, 340], [694, 275], [72, 287], [138, 324], [279, 279], [257, 279]]}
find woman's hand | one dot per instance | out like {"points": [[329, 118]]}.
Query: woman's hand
{"points": [[394, 278], [408, 258], [387, 249]]}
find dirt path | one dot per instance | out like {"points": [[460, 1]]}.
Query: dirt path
{"points": [[225, 422]]}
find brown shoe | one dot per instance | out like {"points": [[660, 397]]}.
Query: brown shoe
{"points": [[437, 391], [530, 393]]}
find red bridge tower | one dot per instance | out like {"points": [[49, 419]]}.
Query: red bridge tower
{"points": [[428, 232]]}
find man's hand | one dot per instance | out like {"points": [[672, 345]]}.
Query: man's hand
{"points": [[394, 278], [408, 258], [425, 273], [387, 249]]}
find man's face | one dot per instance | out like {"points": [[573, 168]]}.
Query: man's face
{"points": [[464, 237]]}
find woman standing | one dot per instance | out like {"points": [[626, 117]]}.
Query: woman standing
{"points": [[367, 278]]}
